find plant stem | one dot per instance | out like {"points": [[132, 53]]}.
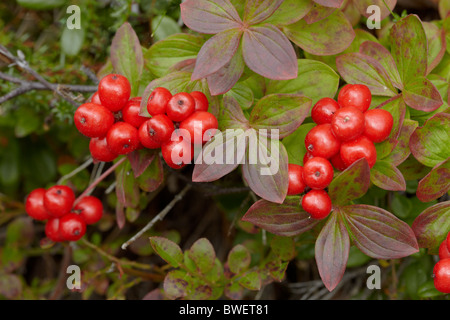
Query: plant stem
{"points": [[86, 164], [159, 216]]}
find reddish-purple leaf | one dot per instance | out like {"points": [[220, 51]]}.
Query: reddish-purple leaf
{"points": [[358, 68], [318, 13], [331, 250], [140, 160], [120, 215], [384, 57], [287, 219], [401, 151], [432, 225], [216, 53], [436, 44], [350, 184], [330, 3], [10, 286], [421, 94], [226, 77], [209, 16], [266, 168], [436, 183], [386, 176], [231, 115], [378, 233], [429, 143], [257, 11], [282, 112], [268, 52], [127, 190], [152, 177], [187, 65]]}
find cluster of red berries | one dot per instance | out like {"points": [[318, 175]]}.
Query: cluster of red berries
{"points": [[65, 219], [113, 122], [345, 132], [441, 270], [178, 123]]}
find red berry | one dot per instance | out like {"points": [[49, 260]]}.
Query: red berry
{"points": [[146, 139], [323, 110], [448, 241], [318, 173], [441, 275], [160, 127], [321, 142], [355, 95], [307, 157], [122, 138], [180, 106], [201, 126], [178, 151], [52, 228], [157, 101], [114, 91], [58, 200], [317, 203], [95, 98], [93, 120], [347, 123], [296, 183], [378, 124], [72, 227], [130, 113], [89, 208], [100, 151], [34, 205], [354, 150], [444, 253], [201, 101], [337, 162]]}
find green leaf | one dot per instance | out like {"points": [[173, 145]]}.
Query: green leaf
{"points": [[386, 176], [315, 80], [429, 143], [72, 41], [409, 48], [176, 284], [126, 56], [282, 112], [289, 12], [251, 280], [152, 177], [350, 184], [238, 259], [234, 291], [421, 94], [164, 26], [428, 290], [168, 250], [41, 4], [164, 54], [295, 148], [432, 225], [436, 44], [203, 254], [256, 11], [127, 190], [312, 39], [436, 183], [243, 95], [401, 151], [283, 247], [216, 273]]}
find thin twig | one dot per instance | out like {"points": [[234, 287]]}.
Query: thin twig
{"points": [[86, 164], [159, 216], [59, 288]]}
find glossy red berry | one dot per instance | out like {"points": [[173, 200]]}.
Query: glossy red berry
{"points": [[201, 126], [318, 173], [296, 183], [130, 113], [93, 120], [354, 150], [89, 208], [317, 203], [444, 252], [323, 110], [355, 95], [158, 100], [145, 138], [178, 151], [72, 227], [337, 162], [52, 230], [448, 241], [347, 123], [95, 98], [122, 138], [58, 200], [34, 205], [160, 128], [441, 275], [321, 142], [100, 151], [307, 157], [114, 91], [180, 106], [378, 124], [201, 101]]}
